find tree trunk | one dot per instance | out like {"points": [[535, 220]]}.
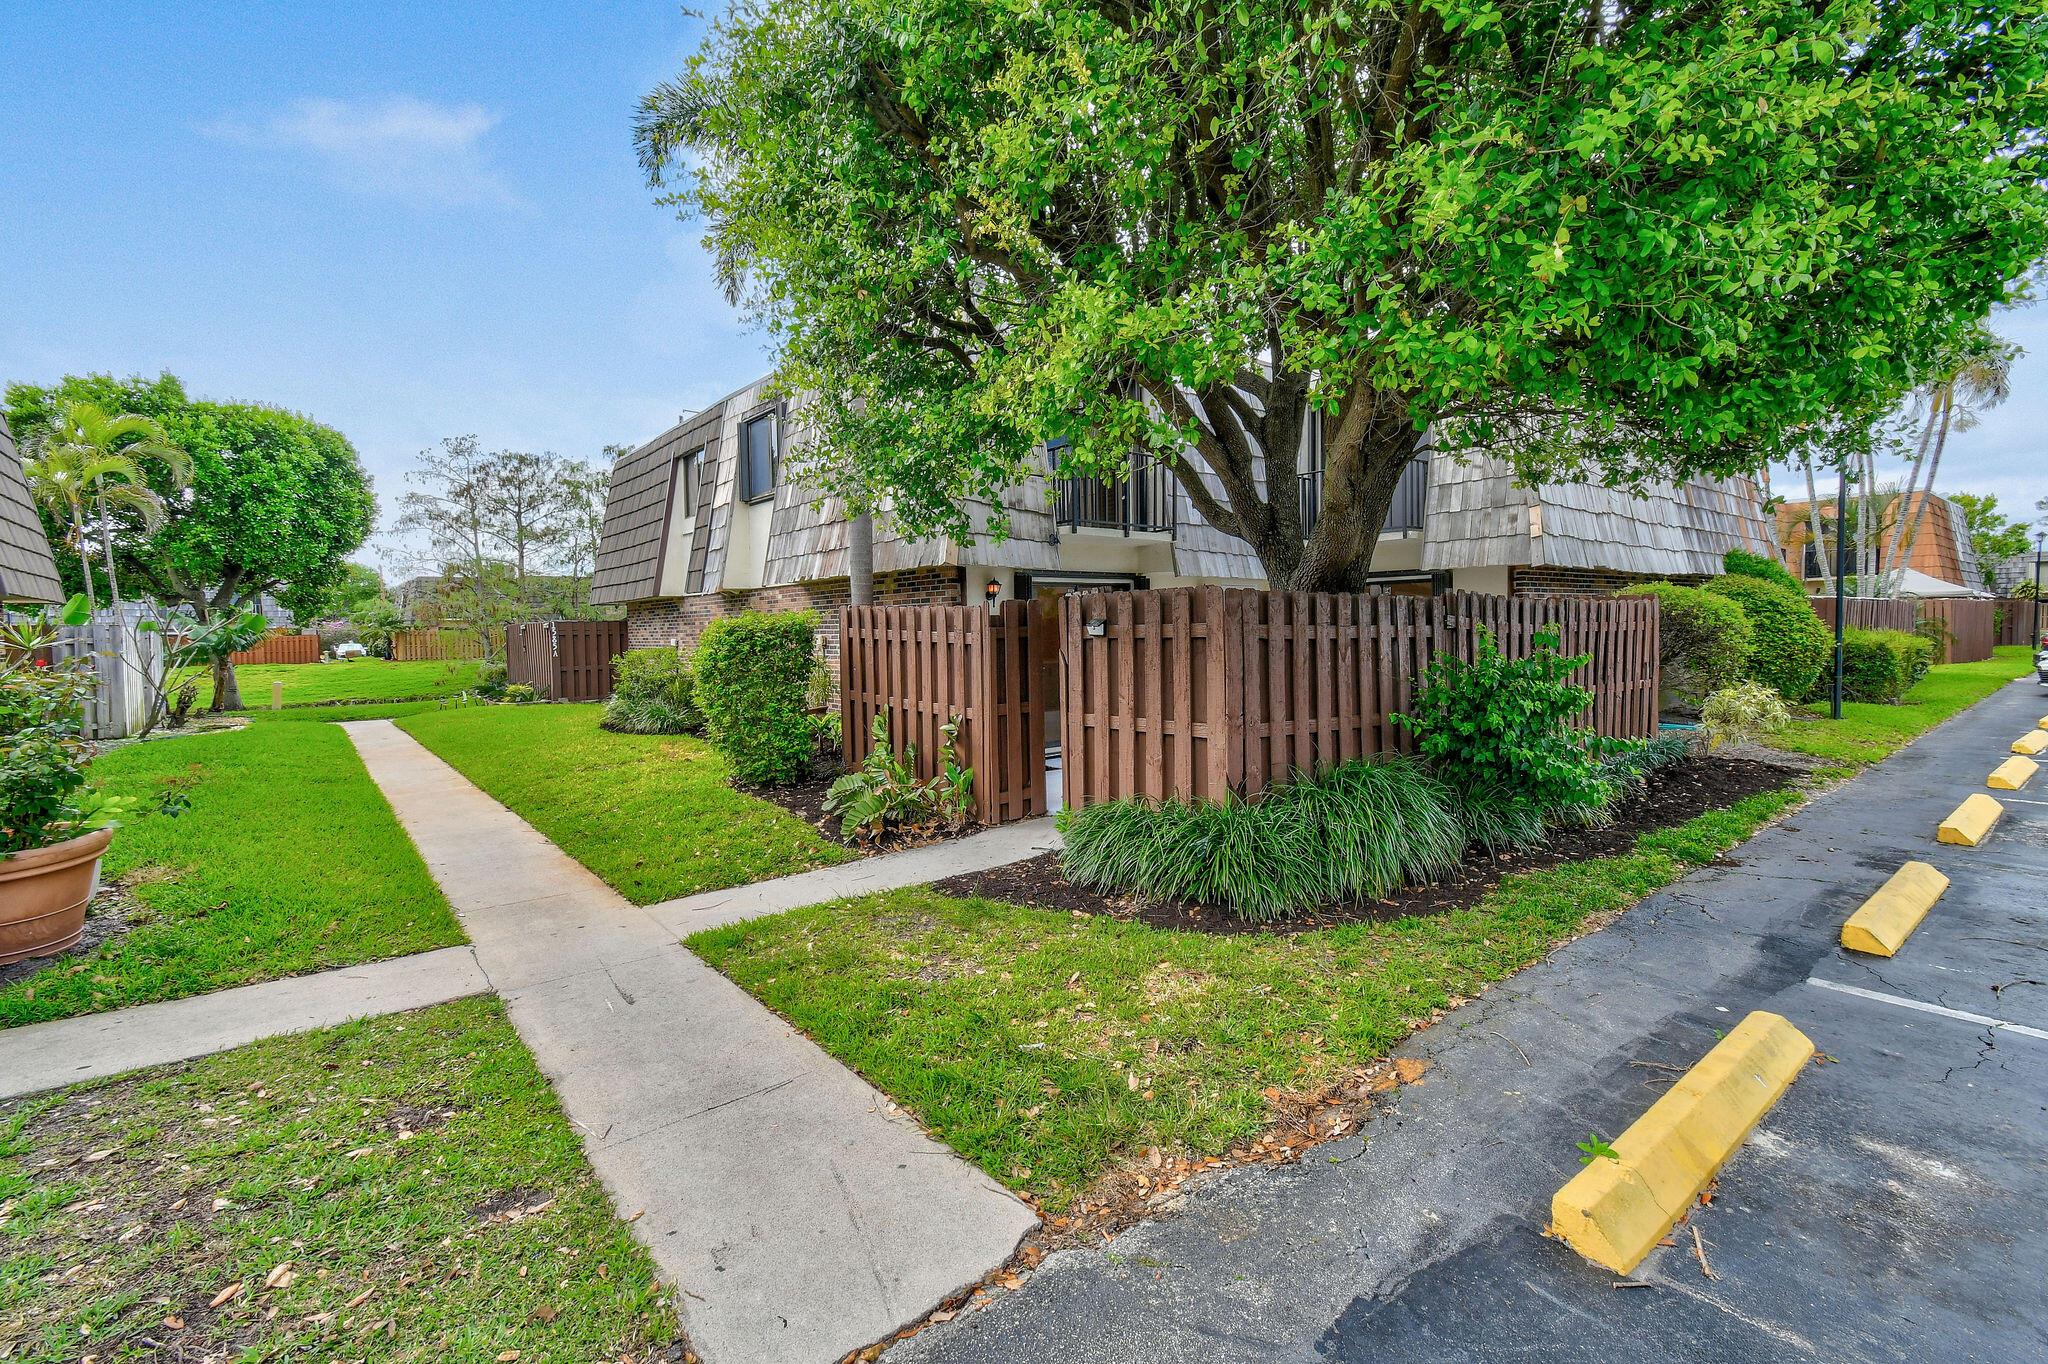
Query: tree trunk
{"points": [[227, 692], [860, 559], [1820, 547], [1359, 478]]}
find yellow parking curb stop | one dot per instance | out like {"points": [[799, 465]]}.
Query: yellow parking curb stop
{"points": [[2012, 774], [2032, 743], [1889, 917], [1967, 825], [1615, 1211]]}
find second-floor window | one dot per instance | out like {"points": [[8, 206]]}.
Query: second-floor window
{"points": [[690, 471], [758, 457]]}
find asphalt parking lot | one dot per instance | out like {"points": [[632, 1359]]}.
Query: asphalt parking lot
{"points": [[1893, 1206]]}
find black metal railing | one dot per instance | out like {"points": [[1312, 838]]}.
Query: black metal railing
{"points": [[1404, 513], [1140, 502]]}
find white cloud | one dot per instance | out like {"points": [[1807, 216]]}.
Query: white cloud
{"points": [[401, 146]]}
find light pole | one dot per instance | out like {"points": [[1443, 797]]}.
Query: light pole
{"points": [[1841, 584], [2040, 538]]}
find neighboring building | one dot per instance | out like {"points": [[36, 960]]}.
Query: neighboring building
{"points": [[28, 575], [1940, 560], [2020, 570], [702, 523]]}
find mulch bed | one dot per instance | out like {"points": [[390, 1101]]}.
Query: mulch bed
{"points": [[806, 800], [1673, 796]]}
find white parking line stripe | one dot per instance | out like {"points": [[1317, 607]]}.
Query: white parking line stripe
{"points": [[1979, 1019]]}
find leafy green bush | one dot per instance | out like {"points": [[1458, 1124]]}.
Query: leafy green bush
{"points": [[1703, 642], [652, 693], [1743, 713], [1743, 564], [884, 792], [1358, 830], [1881, 665], [1497, 728], [491, 680], [753, 673], [1789, 644], [519, 694]]}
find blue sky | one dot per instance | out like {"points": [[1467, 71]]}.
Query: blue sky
{"points": [[421, 221]]}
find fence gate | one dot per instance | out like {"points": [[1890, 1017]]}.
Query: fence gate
{"points": [[925, 665], [1193, 692], [564, 660]]}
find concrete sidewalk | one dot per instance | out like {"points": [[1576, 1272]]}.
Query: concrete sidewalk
{"points": [[801, 1216], [47, 1055], [1889, 1209]]}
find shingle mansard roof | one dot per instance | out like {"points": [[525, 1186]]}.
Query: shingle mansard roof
{"points": [[27, 572]]}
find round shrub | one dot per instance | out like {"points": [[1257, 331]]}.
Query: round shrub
{"points": [[1703, 642], [1744, 564], [652, 693], [1881, 665], [1788, 644], [753, 675]]}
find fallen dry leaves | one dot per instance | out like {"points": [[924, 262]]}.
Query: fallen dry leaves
{"points": [[1152, 1182]]}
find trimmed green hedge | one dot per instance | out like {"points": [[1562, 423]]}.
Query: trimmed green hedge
{"points": [[1704, 642], [1789, 644], [753, 674], [1881, 665], [1744, 564]]}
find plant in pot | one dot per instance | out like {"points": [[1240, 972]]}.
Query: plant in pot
{"points": [[53, 826]]}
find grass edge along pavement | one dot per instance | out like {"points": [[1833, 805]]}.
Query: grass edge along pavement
{"points": [[1056, 1050], [1868, 732], [287, 860], [651, 815], [405, 1187]]}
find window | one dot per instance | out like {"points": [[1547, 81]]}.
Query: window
{"points": [[690, 470], [757, 457]]}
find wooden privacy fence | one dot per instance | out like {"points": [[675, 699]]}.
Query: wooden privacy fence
{"points": [[1969, 623], [439, 644], [1869, 613], [279, 647], [564, 660], [1971, 627], [1193, 692], [924, 665], [2021, 621]]}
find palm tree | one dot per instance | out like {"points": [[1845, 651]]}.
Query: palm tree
{"points": [[87, 466], [1977, 377]]}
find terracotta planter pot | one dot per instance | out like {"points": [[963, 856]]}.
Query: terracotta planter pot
{"points": [[43, 895]]}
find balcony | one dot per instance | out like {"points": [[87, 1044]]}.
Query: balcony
{"points": [[1141, 503], [1404, 513]]}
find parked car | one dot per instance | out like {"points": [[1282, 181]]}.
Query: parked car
{"points": [[351, 649]]}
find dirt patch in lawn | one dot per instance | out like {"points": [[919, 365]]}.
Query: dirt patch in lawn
{"points": [[1673, 796], [806, 800]]}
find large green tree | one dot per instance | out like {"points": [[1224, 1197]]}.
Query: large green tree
{"points": [[274, 503], [1624, 241]]}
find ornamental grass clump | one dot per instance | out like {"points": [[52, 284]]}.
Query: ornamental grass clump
{"points": [[1359, 830]]}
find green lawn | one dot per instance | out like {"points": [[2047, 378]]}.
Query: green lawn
{"points": [[1866, 733], [352, 679], [1047, 1047], [287, 860], [651, 815], [400, 1189], [363, 710]]}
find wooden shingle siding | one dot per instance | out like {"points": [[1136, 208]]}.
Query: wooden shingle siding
{"points": [[700, 538], [1478, 517], [27, 572], [638, 509]]}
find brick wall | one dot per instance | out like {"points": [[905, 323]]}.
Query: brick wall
{"points": [[1585, 582], [678, 621]]}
